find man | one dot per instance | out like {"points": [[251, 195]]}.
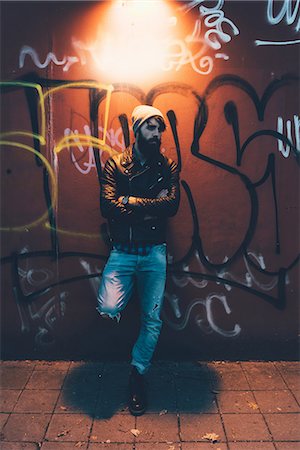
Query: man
{"points": [[139, 191]]}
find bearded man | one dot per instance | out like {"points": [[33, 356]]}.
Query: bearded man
{"points": [[139, 191]]}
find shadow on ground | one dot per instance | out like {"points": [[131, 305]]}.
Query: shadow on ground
{"points": [[101, 390]]}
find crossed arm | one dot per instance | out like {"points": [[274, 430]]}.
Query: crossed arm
{"points": [[140, 208]]}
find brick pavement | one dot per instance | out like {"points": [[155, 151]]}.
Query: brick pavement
{"points": [[82, 405]]}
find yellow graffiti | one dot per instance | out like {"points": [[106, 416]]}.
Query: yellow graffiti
{"points": [[42, 136], [53, 182], [90, 84], [66, 142]]}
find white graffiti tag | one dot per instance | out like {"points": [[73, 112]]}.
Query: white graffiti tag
{"points": [[207, 324], [291, 15], [114, 138], [66, 61], [285, 151]]}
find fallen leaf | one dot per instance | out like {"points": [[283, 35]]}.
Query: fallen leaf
{"points": [[279, 409], [213, 437], [79, 444], [253, 405], [215, 391], [63, 433], [163, 411], [108, 441], [94, 438], [135, 432], [172, 447], [63, 408]]}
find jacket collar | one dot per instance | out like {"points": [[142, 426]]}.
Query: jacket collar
{"points": [[129, 160]]}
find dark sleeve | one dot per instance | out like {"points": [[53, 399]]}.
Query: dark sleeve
{"points": [[165, 206], [110, 206]]}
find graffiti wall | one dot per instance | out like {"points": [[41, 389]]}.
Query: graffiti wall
{"points": [[226, 76]]}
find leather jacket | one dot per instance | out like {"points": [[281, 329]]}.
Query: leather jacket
{"points": [[143, 222]]}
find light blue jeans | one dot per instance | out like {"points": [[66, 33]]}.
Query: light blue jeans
{"points": [[118, 277]]}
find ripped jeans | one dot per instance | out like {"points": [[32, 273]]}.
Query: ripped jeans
{"points": [[115, 290]]}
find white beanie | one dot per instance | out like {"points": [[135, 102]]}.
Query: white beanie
{"points": [[143, 112]]}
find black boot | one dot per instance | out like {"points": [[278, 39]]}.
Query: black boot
{"points": [[137, 393]]}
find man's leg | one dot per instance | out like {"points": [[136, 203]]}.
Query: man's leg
{"points": [[151, 279], [116, 285]]}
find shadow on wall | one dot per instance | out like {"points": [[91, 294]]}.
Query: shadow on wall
{"points": [[101, 391]]}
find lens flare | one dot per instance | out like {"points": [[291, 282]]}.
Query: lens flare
{"points": [[132, 42]]}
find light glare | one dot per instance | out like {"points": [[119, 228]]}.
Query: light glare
{"points": [[132, 44]]}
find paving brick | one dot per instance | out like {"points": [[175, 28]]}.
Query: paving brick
{"points": [[237, 402], [290, 371], [26, 427], [14, 377], [193, 396], [263, 376], [35, 401], [87, 365], [79, 379], [154, 427], [287, 445], [251, 446], [188, 370], [76, 401], [161, 391], [112, 446], [46, 379], [203, 446], [8, 399], [228, 377], [115, 429], [158, 446], [18, 446], [18, 363], [245, 427], [3, 419], [276, 401], [284, 427], [194, 426], [52, 365], [112, 400], [69, 427], [288, 365], [297, 395], [79, 445]]}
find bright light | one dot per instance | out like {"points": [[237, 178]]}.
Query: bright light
{"points": [[132, 43]]}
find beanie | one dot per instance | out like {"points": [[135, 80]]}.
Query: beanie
{"points": [[143, 112]]}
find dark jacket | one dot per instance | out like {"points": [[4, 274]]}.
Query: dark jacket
{"points": [[146, 220]]}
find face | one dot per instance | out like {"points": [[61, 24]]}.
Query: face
{"points": [[149, 137]]}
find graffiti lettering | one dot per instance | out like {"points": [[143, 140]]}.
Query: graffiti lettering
{"points": [[214, 19], [291, 17], [286, 11], [285, 150], [113, 139], [207, 324]]}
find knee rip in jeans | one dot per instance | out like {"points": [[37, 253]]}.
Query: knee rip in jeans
{"points": [[155, 307], [107, 315]]}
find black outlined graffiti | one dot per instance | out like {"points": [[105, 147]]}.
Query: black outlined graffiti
{"points": [[231, 115]]}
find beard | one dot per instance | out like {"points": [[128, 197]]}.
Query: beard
{"points": [[149, 148]]}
